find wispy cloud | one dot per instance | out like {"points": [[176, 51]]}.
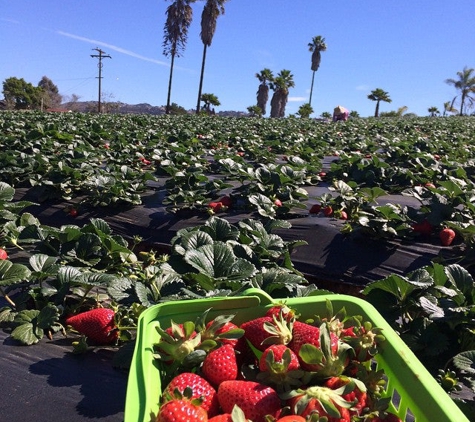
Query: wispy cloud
{"points": [[297, 99], [9, 20], [113, 47], [362, 88]]}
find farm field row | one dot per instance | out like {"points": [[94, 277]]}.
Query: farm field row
{"points": [[274, 173]]}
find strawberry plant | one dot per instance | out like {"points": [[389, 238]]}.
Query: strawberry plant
{"points": [[431, 308]]}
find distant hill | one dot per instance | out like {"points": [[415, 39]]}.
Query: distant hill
{"points": [[123, 108]]}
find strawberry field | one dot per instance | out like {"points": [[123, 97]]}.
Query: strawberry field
{"points": [[123, 212]]}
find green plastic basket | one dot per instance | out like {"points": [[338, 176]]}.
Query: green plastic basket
{"points": [[416, 395]]}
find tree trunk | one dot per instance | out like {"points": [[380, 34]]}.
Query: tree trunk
{"points": [[376, 111], [203, 61], [311, 89], [170, 84]]}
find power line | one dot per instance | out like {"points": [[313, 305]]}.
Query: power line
{"points": [[99, 56]]}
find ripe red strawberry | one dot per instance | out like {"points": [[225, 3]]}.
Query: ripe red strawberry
{"points": [[323, 401], [365, 341], [177, 342], [222, 330], [266, 330], [291, 418], [215, 206], [280, 368], [357, 393], [256, 400], [315, 209], [3, 254], [319, 349], [96, 324], [278, 358], [276, 310], [220, 365], [447, 236], [200, 389], [181, 410], [328, 211], [237, 415], [424, 228], [145, 161], [73, 212], [226, 201], [278, 202]]}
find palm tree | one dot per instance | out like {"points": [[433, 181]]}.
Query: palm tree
{"points": [[465, 84], [211, 12], [264, 76], [179, 17], [379, 95], [209, 100], [305, 110], [280, 85], [255, 111], [449, 107], [433, 111], [315, 47]]}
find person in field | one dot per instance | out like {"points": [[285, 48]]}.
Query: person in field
{"points": [[340, 113]]}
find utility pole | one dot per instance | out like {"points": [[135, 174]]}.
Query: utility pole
{"points": [[99, 56]]}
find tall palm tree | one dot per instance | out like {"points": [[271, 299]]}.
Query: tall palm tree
{"points": [[465, 84], [449, 107], [433, 111], [280, 85], [315, 47], [379, 95], [264, 77], [179, 17], [211, 11]]}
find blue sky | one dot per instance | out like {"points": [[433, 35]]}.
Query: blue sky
{"points": [[405, 47]]}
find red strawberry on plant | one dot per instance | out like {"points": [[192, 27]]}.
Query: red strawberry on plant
{"points": [[200, 388], [424, 228], [328, 211], [278, 202], [215, 206], [256, 400], [3, 254], [96, 324], [226, 201], [315, 209], [220, 365], [73, 212], [447, 236]]}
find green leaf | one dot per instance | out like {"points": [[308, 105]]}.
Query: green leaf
{"points": [[465, 361], [42, 263], [12, 273], [218, 261], [48, 316]]}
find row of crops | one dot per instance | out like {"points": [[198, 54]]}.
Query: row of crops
{"points": [[267, 168]]}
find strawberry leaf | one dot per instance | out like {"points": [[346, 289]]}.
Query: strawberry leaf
{"points": [[465, 361]]}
